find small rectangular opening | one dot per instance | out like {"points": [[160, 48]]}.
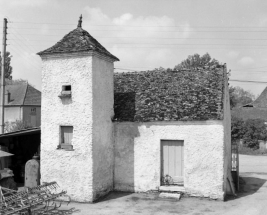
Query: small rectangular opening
{"points": [[172, 162], [66, 134], [33, 111], [66, 88]]}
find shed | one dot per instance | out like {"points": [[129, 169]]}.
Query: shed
{"points": [[173, 128]]}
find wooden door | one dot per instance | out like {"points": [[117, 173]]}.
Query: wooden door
{"points": [[172, 162]]}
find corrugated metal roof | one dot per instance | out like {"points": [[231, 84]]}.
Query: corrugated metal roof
{"points": [[22, 132]]}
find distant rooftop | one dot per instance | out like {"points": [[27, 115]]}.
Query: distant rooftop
{"points": [[261, 101], [23, 94]]}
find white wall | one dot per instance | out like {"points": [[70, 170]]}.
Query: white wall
{"points": [[103, 153], [72, 170], [137, 155], [12, 114], [27, 115]]}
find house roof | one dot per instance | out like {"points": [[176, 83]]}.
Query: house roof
{"points": [[32, 97], [77, 40], [254, 110], [169, 95], [261, 101], [23, 94]]}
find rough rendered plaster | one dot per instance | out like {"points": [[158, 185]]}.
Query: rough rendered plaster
{"points": [[103, 153], [137, 156], [72, 170], [87, 172]]}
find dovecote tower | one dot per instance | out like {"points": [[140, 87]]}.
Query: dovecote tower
{"points": [[77, 108]]}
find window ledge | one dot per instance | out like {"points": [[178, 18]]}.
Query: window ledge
{"points": [[67, 147], [65, 94]]}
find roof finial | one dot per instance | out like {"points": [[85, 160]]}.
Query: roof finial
{"points": [[80, 22]]}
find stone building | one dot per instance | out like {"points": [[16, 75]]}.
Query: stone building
{"points": [[93, 143]]}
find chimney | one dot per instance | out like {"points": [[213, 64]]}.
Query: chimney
{"points": [[7, 97]]}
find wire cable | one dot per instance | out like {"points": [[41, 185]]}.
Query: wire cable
{"points": [[145, 26], [162, 31], [258, 82]]}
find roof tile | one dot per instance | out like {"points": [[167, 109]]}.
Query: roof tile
{"points": [[23, 94], [77, 40]]}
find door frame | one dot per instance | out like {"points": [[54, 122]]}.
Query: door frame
{"points": [[161, 158]]}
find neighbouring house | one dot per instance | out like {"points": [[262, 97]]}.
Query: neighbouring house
{"points": [[158, 129], [22, 102], [172, 128], [254, 110]]}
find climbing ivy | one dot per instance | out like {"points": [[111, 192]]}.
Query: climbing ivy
{"points": [[169, 95]]}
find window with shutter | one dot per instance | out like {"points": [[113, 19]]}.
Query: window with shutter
{"points": [[66, 137]]}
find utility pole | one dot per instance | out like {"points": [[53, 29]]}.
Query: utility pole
{"points": [[2, 84]]}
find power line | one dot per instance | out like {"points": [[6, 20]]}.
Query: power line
{"points": [[38, 23], [22, 49], [161, 31], [257, 71], [250, 68], [174, 38], [259, 82], [162, 47], [177, 44], [132, 69], [172, 47], [234, 80], [28, 62], [22, 43]]}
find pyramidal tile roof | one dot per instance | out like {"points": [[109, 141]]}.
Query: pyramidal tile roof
{"points": [[77, 40]]}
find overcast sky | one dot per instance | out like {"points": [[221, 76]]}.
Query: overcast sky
{"points": [[144, 34]]}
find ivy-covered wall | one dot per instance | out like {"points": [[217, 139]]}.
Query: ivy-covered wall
{"points": [[169, 95]]}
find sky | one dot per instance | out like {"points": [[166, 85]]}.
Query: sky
{"points": [[144, 34]]}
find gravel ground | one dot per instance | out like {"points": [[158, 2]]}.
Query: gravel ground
{"points": [[251, 200]]}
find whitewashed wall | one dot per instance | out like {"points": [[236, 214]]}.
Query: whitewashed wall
{"points": [[103, 150], [87, 172], [137, 156], [72, 170]]}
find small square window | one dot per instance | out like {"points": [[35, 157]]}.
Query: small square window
{"points": [[66, 91], [66, 88], [66, 137], [33, 111]]}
